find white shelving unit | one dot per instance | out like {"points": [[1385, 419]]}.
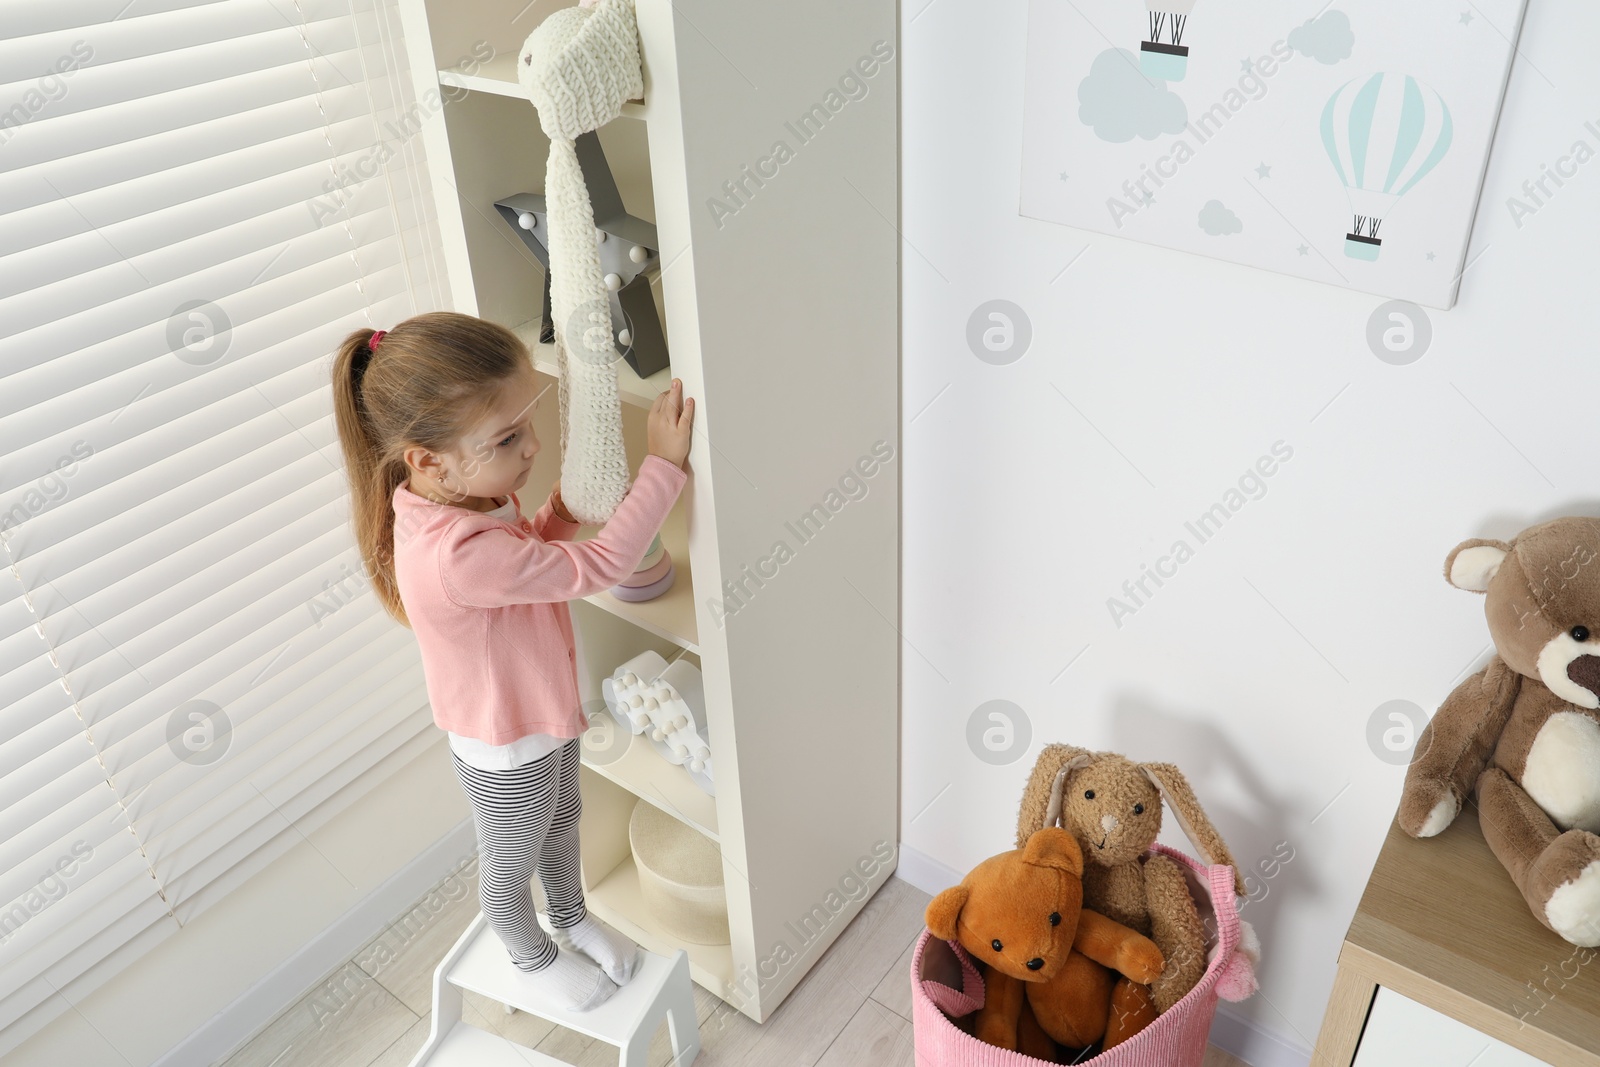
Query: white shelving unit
{"points": [[781, 314]]}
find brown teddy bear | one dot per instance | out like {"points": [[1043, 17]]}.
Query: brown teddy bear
{"points": [[1523, 734], [1112, 807], [1043, 957]]}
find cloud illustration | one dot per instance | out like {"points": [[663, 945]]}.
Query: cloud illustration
{"points": [[1121, 103], [1218, 220], [1326, 39]]}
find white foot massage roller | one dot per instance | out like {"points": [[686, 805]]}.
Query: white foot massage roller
{"points": [[666, 702]]}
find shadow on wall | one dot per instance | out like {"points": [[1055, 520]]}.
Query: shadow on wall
{"points": [[1268, 836], [1273, 837]]}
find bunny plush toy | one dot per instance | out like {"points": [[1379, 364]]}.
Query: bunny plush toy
{"points": [[1112, 806]]}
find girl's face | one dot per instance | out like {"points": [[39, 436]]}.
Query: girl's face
{"points": [[494, 457], [497, 454]]}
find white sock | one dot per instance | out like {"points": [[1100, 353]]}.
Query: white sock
{"points": [[569, 981], [615, 952]]}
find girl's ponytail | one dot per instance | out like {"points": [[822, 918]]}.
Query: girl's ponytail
{"points": [[373, 476]]}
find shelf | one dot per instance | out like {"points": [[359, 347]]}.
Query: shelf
{"points": [[632, 388], [671, 615], [618, 901], [499, 76], [642, 772], [716, 287]]}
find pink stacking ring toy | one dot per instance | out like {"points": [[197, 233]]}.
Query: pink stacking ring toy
{"points": [[637, 593], [649, 575]]}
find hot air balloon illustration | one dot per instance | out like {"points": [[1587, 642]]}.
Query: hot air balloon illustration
{"points": [[1383, 133], [1170, 59]]}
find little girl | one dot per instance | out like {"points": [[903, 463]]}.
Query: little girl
{"points": [[435, 418]]}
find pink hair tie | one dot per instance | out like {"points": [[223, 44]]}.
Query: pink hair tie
{"points": [[372, 342]]}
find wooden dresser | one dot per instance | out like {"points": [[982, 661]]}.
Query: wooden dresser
{"points": [[1443, 941]]}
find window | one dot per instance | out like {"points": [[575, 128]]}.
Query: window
{"points": [[198, 200]]}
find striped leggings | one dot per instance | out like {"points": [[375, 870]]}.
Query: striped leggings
{"points": [[527, 820]]}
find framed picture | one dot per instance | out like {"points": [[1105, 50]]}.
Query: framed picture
{"points": [[1346, 144]]}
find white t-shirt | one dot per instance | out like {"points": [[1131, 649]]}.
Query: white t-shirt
{"points": [[481, 754]]}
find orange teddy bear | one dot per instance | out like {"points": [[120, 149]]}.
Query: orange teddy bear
{"points": [[1046, 961]]}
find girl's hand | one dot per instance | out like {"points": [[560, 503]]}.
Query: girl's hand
{"points": [[558, 505], [671, 420]]}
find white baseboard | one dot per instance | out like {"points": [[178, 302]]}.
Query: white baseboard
{"points": [[257, 1006], [1231, 1032], [923, 871], [1254, 1043]]}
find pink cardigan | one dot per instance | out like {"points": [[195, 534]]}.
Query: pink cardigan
{"points": [[487, 601]]}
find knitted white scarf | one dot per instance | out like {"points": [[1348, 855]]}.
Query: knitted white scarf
{"points": [[579, 66]]}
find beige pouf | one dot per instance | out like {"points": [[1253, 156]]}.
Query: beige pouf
{"points": [[680, 876]]}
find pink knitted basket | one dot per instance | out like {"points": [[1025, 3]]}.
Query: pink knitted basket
{"points": [[944, 979]]}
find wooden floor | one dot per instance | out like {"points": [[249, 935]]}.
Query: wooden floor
{"points": [[852, 1010]]}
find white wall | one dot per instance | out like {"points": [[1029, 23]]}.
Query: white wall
{"points": [[1257, 667]]}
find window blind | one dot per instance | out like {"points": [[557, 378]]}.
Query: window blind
{"points": [[198, 200]]}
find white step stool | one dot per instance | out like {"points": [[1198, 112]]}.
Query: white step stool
{"points": [[659, 989]]}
